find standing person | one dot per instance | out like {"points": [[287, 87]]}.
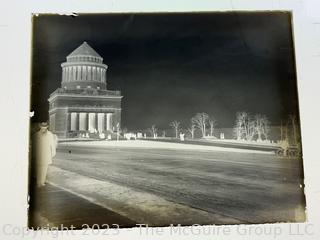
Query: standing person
{"points": [[181, 136], [44, 145]]}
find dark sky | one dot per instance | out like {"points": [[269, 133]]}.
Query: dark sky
{"points": [[171, 66]]}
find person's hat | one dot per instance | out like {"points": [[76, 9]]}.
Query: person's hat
{"points": [[43, 124]]}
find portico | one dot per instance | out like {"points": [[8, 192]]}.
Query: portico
{"points": [[90, 121]]}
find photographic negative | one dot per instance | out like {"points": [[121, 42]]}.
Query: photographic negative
{"points": [[164, 118]]}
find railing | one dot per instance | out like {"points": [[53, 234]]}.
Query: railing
{"points": [[87, 91]]}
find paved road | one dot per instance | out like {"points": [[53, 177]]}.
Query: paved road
{"points": [[221, 143], [250, 187]]}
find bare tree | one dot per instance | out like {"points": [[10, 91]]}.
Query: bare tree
{"points": [[237, 130], [153, 130], [258, 124], [265, 127], [192, 129], [118, 131], [284, 132], [212, 124], [250, 129], [176, 126], [287, 132], [261, 126], [294, 128], [247, 127], [124, 131], [163, 133], [201, 120], [242, 124]]}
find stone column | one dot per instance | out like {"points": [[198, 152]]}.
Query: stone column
{"points": [[70, 74], [75, 69], [83, 73], [109, 121], [74, 121], [92, 122], [83, 120], [105, 122], [63, 71], [73, 73], [101, 122], [98, 74], [94, 73], [78, 69], [88, 121], [89, 73]]}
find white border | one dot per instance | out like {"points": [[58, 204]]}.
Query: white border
{"points": [[15, 32]]}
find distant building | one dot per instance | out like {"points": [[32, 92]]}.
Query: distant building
{"points": [[83, 105]]}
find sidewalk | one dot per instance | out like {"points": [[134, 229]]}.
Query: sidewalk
{"points": [[52, 206], [141, 207]]}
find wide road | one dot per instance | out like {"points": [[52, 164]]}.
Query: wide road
{"points": [[250, 187]]}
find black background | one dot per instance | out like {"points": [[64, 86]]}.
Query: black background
{"points": [[171, 66]]}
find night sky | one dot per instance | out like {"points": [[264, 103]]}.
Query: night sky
{"points": [[171, 66]]}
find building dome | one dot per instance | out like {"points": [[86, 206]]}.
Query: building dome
{"points": [[84, 68]]}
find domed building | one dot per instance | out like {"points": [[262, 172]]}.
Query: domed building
{"points": [[83, 105]]}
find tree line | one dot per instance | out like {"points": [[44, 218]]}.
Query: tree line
{"points": [[247, 127], [201, 121], [250, 128]]}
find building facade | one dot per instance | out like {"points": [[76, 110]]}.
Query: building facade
{"points": [[83, 105]]}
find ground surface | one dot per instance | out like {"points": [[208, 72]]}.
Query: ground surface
{"points": [[250, 187], [55, 207]]}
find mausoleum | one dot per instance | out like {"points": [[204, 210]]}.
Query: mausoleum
{"points": [[83, 105]]}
